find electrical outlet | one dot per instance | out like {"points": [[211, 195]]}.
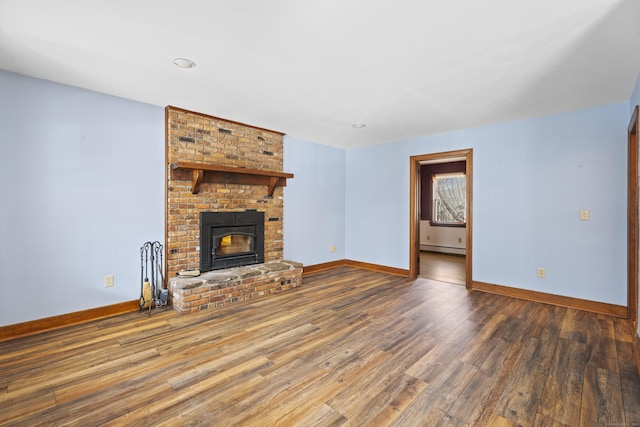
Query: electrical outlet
{"points": [[332, 248], [108, 281], [584, 215], [459, 239], [541, 272]]}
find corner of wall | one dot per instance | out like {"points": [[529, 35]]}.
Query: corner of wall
{"points": [[635, 95]]}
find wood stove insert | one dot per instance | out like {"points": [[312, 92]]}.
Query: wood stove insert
{"points": [[231, 239]]}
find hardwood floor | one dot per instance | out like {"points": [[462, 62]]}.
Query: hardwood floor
{"points": [[443, 267], [350, 347]]}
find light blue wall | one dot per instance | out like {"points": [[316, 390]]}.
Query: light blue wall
{"points": [[530, 180], [635, 96], [314, 202], [81, 187]]}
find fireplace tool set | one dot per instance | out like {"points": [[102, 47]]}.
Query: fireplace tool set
{"points": [[152, 291]]}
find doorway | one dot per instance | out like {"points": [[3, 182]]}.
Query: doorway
{"points": [[632, 221], [415, 198]]}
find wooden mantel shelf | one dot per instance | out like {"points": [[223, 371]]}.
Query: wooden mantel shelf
{"points": [[208, 172]]}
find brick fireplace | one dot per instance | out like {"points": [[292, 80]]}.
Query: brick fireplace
{"points": [[198, 139]]}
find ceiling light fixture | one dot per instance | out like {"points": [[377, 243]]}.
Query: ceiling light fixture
{"points": [[184, 63], [358, 125]]}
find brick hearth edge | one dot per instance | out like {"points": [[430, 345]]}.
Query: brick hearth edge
{"points": [[222, 287]]}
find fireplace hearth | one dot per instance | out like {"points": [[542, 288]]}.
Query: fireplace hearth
{"points": [[231, 239]]}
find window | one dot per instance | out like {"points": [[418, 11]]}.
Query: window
{"points": [[449, 198]]}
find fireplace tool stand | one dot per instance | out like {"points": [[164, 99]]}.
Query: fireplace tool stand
{"points": [[152, 291]]}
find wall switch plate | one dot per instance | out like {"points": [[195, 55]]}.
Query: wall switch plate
{"points": [[332, 248], [584, 215], [108, 281], [541, 272]]}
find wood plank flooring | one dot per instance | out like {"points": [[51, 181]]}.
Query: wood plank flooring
{"points": [[442, 267], [350, 347]]}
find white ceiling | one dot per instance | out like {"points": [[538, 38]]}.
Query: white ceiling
{"points": [[311, 69]]}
